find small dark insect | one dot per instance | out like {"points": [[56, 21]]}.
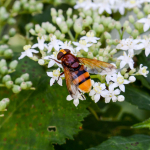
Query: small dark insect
{"points": [[76, 74]]}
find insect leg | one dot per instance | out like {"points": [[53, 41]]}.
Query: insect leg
{"points": [[58, 78], [55, 60], [81, 94]]}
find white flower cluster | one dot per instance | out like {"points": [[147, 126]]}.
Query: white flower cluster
{"points": [[111, 78], [109, 5]]}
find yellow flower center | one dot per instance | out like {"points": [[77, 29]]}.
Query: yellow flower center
{"points": [[56, 73], [83, 42], [90, 34], [132, 1], [80, 1], [97, 89], [120, 80], [55, 54], [26, 47], [144, 70]]}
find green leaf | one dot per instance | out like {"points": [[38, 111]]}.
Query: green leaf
{"points": [[144, 124], [37, 119], [135, 142], [143, 81], [137, 97]]}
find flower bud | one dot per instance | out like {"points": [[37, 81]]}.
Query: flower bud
{"points": [[69, 12], [105, 59], [18, 81], [62, 36], [123, 71], [131, 19], [107, 35], [98, 44], [69, 22], [138, 26], [115, 42], [3, 70], [32, 31], [60, 12], [24, 85], [126, 23], [106, 21], [132, 71], [29, 26], [13, 64], [9, 84], [114, 51], [132, 79], [23, 1], [64, 29], [109, 41], [74, 17], [135, 33], [41, 62], [57, 34], [2, 49], [85, 23], [82, 14], [105, 53], [126, 75], [3, 63], [16, 7], [35, 58], [11, 21], [140, 15], [89, 20], [90, 55], [26, 6], [42, 31], [29, 84], [118, 25], [136, 10], [32, 8], [5, 38], [53, 12], [39, 6], [37, 28], [111, 25], [101, 51], [6, 100], [77, 27], [83, 32], [100, 58], [25, 76], [97, 19], [2, 105], [6, 78], [121, 98], [146, 9], [16, 89], [12, 32], [79, 54], [118, 63], [128, 29], [8, 54]]}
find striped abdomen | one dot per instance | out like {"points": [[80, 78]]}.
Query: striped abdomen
{"points": [[82, 79]]}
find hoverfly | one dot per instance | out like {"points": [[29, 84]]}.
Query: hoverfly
{"points": [[76, 74]]}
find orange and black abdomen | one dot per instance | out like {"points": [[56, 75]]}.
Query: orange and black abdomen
{"points": [[82, 79]]}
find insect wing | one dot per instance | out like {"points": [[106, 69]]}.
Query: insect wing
{"points": [[95, 66], [72, 88]]}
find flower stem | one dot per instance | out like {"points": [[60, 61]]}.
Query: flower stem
{"points": [[32, 88], [93, 112], [76, 36], [2, 85], [70, 35], [7, 2]]}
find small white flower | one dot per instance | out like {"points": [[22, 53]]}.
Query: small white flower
{"points": [[79, 4], [130, 44], [52, 61], [82, 45], [143, 70], [67, 45], [132, 79], [28, 51], [146, 46], [121, 98], [133, 3], [75, 101], [98, 91], [40, 43], [126, 59], [146, 22], [104, 6], [111, 94], [109, 73], [54, 43], [119, 81], [55, 74], [90, 38]]}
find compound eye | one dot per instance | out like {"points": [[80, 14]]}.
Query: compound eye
{"points": [[60, 55], [67, 50]]}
